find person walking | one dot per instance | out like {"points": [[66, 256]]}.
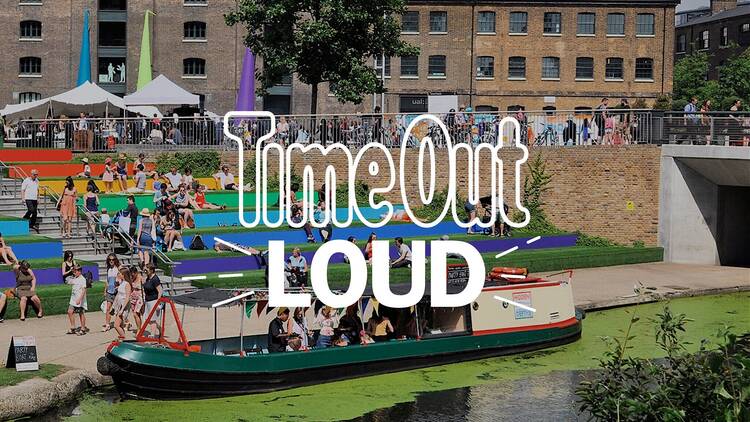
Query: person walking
{"points": [[691, 118], [67, 207], [145, 237], [77, 303], [600, 116], [30, 197]]}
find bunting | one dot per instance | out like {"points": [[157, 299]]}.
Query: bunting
{"points": [[261, 305], [249, 309]]}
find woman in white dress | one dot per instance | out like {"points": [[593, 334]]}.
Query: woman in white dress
{"points": [[122, 301]]}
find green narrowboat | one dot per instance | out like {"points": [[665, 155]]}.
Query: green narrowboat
{"points": [[514, 313]]}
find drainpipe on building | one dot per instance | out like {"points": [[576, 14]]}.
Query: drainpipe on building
{"points": [[471, 61], [664, 48]]}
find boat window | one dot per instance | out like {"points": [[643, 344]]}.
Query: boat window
{"points": [[435, 322]]}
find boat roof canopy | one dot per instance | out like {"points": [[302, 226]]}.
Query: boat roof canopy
{"points": [[211, 297], [204, 298]]}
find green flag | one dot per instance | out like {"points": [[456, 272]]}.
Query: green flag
{"points": [[144, 67], [249, 308]]}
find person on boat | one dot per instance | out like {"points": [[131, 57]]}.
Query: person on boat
{"points": [[277, 334], [299, 266], [350, 325], [297, 325], [404, 254], [122, 301], [294, 345], [152, 292], [379, 327], [327, 320]]}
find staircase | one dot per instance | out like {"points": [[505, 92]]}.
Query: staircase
{"points": [[83, 247]]}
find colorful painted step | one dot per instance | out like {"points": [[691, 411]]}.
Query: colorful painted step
{"points": [[46, 273], [10, 226], [34, 246], [232, 218], [258, 237], [228, 198], [57, 184], [199, 265], [63, 169], [20, 155]]}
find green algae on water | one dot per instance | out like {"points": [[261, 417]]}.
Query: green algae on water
{"points": [[353, 398]]}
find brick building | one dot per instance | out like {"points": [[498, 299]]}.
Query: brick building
{"points": [[487, 54], [723, 33]]}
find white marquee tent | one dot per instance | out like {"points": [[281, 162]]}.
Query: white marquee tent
{"points": [[161, 91], [88, 98]]}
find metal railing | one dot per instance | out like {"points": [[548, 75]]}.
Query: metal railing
{"points": [[538, 128], [550, 128], [706, 128]]}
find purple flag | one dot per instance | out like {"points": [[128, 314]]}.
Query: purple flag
{"points": [[246, 94]]}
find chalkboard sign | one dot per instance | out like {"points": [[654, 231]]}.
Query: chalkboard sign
{"points": [[458, 274], [22, 354]]}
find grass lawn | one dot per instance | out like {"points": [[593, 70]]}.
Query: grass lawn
{"points": [[28, 238], [9, 376], [306, 247], [538, 260]]}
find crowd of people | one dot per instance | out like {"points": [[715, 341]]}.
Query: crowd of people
{"points": [[289, 331]]}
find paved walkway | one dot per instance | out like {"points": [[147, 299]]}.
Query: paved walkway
{"points": [[593, 288]]}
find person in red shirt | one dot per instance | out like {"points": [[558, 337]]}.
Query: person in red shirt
{"points": [[200, 200]]}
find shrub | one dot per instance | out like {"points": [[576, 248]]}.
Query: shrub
{"points": [[431, 211], [361, 192], [712, 384], [203, 163], [588, 240]]}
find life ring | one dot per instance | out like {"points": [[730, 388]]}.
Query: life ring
{"points": [[509, 270]]}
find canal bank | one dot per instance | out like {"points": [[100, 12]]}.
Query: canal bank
{"points": [[594, 288]]}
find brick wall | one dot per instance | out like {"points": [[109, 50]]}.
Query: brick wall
{"points": [[591, 187]]}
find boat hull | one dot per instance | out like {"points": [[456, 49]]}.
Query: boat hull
{"points": [[156, 373]]}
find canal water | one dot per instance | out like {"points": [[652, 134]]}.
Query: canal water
{"points": [[537, 386]]}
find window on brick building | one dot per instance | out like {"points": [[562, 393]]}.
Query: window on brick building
{"points": [[585, 68], [410, 22], [27, 97], [436, 66], [195, 30], [614, 68], [438, 22], [485, 67], [518, 22], [112, 34], [586, 24], [517, 67], [724, 37], [30, 66], [194, 67], [195, 2], [410, 66], [681, 43], [552, 23], [550, 68], [30, 2], [745, 27], [615, 24], [703, 42], [31, 30], [644, 24], [644, 69], [486, 23], [113, 5], [379, 66]]}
